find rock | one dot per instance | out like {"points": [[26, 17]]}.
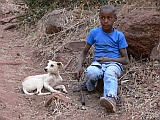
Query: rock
{"points": [[10, 26], [141, 28], [54, 22], [56, 96], [3, 118], [69, 52], [75, 46], [155, 54]]}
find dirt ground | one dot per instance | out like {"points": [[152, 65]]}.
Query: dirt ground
{"points": [[17, 60]]}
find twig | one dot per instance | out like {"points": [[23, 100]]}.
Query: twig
{"points": [[10, 63], [68, 73], [68, 63], [4, 21], [11, 26]]}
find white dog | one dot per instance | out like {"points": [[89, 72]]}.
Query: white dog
{"points": [[50, 81]]}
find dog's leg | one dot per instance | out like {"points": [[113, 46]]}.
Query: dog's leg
{"points": [[27, 93], [48, 87], [62, 87], [40, 93]]}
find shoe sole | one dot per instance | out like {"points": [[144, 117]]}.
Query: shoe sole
{"points": [[107, 105]]}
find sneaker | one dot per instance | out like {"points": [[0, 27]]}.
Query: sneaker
{"points": [[77, 88], [109, 103]]}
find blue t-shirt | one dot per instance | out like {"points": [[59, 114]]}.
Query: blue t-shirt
{"points": [[106, 44]]}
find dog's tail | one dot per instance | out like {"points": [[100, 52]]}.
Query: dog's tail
{"points": [[47, 93], [27, 93]]}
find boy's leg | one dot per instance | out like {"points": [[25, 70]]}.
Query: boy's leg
{"points": [[92, 75], [111, 74], [110, 79]]}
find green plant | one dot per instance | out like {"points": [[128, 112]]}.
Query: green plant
{"points": [[36, 9]]}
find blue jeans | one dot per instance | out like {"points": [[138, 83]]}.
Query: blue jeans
{"points": [[109, 72]]}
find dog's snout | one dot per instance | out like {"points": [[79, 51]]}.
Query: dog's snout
{"points": [[45, 69]]}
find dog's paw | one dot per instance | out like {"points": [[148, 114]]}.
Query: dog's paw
{"points": [[65, 91], [55, 91], [36, 93]]}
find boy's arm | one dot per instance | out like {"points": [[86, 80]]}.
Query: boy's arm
{"points": [[82, 57], [123, 59], [83, 54]]}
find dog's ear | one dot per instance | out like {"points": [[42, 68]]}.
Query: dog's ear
{"points": [[60, 64], [49, 61]]}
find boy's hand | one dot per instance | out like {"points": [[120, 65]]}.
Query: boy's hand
{"points": [[78, 72], [103, 59]]}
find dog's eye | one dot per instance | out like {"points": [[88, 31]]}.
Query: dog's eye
{"points": [[52, 65], [58, 63]]}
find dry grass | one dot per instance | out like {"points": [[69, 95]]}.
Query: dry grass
{"points": [[77, 24], [140, 86], [140, 96]]}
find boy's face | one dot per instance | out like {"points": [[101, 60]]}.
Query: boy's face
{"points": [[107, 18]]}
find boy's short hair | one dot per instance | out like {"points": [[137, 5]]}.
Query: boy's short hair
{"points": [[108, 7]]}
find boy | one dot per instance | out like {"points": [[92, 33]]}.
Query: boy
{"points": [[109, 55]]}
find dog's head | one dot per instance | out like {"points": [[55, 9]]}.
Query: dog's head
{"points": [[53, 67]]}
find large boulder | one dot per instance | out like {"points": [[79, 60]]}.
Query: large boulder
{"points": [[142, 31], [155, 54], [69, 53], [54, 23]]}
